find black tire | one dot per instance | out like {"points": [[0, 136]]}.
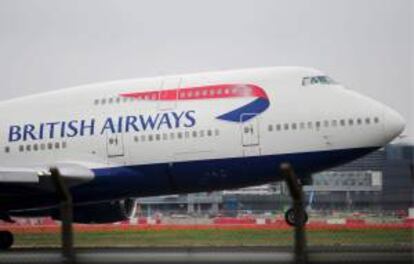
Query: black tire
{"points": [[290, 218], [6, 240]]}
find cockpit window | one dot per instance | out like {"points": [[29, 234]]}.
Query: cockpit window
{"points": [[312, 80]]}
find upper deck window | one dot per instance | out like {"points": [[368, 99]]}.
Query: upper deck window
{"points": [[313, 80]]}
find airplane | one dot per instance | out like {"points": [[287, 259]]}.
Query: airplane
{"points": [[115, 141]]}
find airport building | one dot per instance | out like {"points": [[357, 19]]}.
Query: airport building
{"points": [[381, 181]]}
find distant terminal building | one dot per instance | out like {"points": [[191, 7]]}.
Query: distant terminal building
{"points": [[192, 204], [382, 180]]}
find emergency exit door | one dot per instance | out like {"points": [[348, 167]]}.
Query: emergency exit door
{"points": [[250, 135], [115, 145]]}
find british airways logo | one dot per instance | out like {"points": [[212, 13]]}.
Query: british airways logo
{"points": [[158, 121], [221, 91]]}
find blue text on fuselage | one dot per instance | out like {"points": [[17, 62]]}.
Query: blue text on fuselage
{"points": [[91, 127]]}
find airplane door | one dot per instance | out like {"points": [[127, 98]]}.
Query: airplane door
{"points": [[169, 93], [250, 136], [115, 145]]}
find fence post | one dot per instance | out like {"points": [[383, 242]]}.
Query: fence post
{"points": [[296, 192], [65, 200]]}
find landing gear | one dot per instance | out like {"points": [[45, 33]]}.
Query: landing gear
{"points": [[6, 240], [291, 219]]}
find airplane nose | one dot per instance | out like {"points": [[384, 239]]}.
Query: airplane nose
{"points": [[394, 124]]}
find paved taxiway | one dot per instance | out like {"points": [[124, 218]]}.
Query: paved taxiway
{"points": [[210, 255]]}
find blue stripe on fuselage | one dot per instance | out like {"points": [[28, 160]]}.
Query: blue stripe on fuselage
{"points": [[208, 175]]}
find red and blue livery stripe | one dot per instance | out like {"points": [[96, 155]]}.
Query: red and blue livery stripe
{"points": [[210, 92]]}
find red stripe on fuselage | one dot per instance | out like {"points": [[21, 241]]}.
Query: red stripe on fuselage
{"points": [[201, 92]]}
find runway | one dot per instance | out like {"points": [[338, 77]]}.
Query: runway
{"points": [[210, 255]]}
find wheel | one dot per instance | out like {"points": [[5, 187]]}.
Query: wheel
{"points": [[291, 219], [6, 240]]}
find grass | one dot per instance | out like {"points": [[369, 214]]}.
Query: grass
{"points": [[220, 237]]}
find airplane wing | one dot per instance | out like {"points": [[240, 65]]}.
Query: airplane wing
{"points": [[39, 176], [18, 175]]}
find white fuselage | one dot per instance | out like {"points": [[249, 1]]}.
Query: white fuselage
{"points": [[88, 125]]}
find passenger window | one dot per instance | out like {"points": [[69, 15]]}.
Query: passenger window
{"points": [[143, 138], [136, 139], [7, 149], [42, 146], [286, 127], [351, 122], [302, 125], [201, 133], [165, 136], [21, 148], [342, 122], [317, 124], [194, 134], [359, 121], [28, 148], [326, 123], [270, 128], [49, 145], [158, 137], [57, 145], [35, 147], [278, 127], [209, 133], [367, 120], [294, 126], [187, 134], [103, 101], [376, 120], [179, 135], [64, 144], [172, 135], [150, 137], [334, 123], [111, 100], [310, 125], [217, 132], [96, 101]]}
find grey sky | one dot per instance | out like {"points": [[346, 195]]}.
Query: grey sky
{"points": [[365, 44]]}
